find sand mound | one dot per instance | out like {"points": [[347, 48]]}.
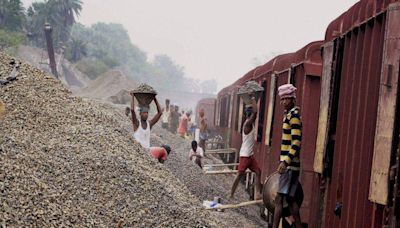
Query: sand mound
{"points": [[108, 84]]}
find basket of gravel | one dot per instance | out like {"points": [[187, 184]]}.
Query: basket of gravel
{"points": [[249, 89], [144, 94]]}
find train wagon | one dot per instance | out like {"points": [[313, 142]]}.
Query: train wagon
{"points": [[348, 94], [303, 69], [358, 125]]}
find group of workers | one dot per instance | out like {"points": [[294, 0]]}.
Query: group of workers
{"points": [[170, 114], [177, 121], [289, 164]]}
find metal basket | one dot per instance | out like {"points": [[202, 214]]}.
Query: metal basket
{"points": [[247, 96], [270, 190]]}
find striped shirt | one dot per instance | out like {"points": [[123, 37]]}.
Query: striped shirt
{"points": [[291, 139]]}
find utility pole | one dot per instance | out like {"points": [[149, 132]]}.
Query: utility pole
{"points": [[50, 49]]}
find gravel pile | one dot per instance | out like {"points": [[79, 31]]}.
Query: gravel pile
{"points": [[250, 87], [144, 88], [106, 85], [65, 161]]}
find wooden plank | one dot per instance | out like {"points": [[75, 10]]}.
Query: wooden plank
{"points": [[224, 172], [222, 151], [230, 110], [324, 110], [232, 206], [270, 114], [388, 94], [217, 113], [240, 114], [220, 165]]}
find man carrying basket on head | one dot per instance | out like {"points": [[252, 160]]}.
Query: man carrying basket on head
{"points": [[142, 127]]}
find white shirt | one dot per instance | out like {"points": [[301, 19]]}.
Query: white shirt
{"points": [[199, 151], [166, 115], [143, 135], [246, 150]]}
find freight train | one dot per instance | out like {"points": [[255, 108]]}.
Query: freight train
{"points": [[348, 93]]}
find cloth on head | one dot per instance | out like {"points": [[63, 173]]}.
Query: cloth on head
{"points": [[248, 110], [287, 91]]}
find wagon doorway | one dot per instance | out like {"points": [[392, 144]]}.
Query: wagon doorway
{"points": [[326, 139]]}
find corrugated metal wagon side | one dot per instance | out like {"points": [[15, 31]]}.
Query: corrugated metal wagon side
{"points": [[357, 65]]}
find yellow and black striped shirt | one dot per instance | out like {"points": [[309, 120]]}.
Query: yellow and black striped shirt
{"points": [[291, 139]]}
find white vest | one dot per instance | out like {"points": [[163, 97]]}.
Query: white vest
{"points": [[246, 150], [143, 135], [166, 115]]}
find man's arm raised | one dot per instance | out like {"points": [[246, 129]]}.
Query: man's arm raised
{"points": [[157, 117]]}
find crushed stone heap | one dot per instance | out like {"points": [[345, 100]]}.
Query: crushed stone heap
{"points": [[65, 161]]}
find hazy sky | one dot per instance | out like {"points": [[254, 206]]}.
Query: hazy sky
{"points": [[217, 38]]}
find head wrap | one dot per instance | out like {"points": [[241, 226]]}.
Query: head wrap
{"points": [[167, 148], [287, 91], [248, 110]]}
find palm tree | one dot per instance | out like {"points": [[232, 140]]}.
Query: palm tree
{"points": [[68, 10], [60, 14], [78, 49]]}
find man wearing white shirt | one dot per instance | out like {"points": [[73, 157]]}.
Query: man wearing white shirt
{"points": [[196, 154]]}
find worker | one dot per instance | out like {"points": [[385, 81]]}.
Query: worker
{"points": [[175, 119], [196, 154], [246, 153], [191, 127], [289, 166], [166, 114], [160, 153], [143, 127], [183, 124], [128, 112], [203, 130]]}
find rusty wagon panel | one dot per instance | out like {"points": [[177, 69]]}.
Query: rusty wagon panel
{"points": [[358, 38]]}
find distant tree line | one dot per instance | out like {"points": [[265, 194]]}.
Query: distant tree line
{"points": [[95, 49]]}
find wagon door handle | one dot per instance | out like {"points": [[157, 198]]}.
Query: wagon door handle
{"points": [[388, 77]]}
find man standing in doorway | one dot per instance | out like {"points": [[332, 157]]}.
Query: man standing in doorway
{"points": [[142, 127], [289, 166], [247, 160]]}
